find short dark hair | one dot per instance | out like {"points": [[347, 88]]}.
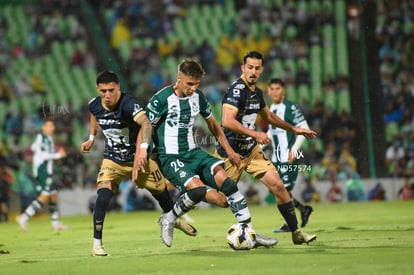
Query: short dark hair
{"points": [[277, 81], [191, 68], [106, 77], [253, 54]]}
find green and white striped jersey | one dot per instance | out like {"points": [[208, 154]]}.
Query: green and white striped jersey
{"points": [[173, 119], [283, 140], [44, 153]]}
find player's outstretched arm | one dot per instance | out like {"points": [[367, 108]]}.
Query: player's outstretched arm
{"points": [[221, 138], [142, 144], [87, 145], [278, 122]]}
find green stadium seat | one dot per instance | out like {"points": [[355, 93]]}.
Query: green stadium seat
{"points": [[328, 50], [344, 101], [217, 11], [303, 92], [314, 5], [330, 100], [229, 9], [124, 49], [277, 67], [340, 11]]}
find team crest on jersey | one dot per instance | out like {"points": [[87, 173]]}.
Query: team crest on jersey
{"points": [[239, 86], [194, 107]]}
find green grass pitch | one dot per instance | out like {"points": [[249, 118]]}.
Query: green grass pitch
{"points": [[353, 238]]}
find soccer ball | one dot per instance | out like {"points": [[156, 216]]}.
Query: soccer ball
{"points": [[241, 237]]}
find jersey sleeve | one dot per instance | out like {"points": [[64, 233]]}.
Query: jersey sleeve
{"points": [[205, 109], [233, 96], [36, 143], [297, 116], [132, 108], [154, 110]]}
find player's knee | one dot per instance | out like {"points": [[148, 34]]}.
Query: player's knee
{"points": [[216, 198], [104, 197], [229, 187], [277, 186], [197, 194]]}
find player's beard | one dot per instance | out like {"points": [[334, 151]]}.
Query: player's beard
{"points": [[252, 81]]}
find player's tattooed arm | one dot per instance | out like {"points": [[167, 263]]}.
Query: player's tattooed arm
{"points": [[146, 128]]}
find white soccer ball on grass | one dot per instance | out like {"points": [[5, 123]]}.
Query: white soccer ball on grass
{"points": [[241, 237]]}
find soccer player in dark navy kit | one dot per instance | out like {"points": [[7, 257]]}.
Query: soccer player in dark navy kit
{"points": [[242, 102], [127, 132]]}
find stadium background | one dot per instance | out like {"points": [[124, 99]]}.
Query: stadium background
{"points": [[348, 63]]}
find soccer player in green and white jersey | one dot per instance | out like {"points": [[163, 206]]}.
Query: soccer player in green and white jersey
{"points": [[44, 154], [286, 145], [172, 112]]}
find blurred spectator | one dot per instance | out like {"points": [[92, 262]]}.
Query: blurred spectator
{"points": [[330, 160], [355, 189], [346, 129], [164, 48], [6, 91], [13, 124], [38, 85], [407, 191], [377, 193], [77, 30], [302, 76], [17, 51], [23, 87], [89, 60], [207, 55], [394, 155], [347, 162], [6, 179], [52, 29], [335, 193], [35, 37], [77, 58], [5, 58], [252, 195], [309, 193], [120, 34], [25, 186]]}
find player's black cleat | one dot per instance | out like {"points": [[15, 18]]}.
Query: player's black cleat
{"points": [[283, 228], [305, 215]]}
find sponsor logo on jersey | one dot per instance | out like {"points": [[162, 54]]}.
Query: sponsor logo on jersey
{"points": [[236, 92], [254, 106], [137, 109], [182, 174], [103, 121], [232, 100]]}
